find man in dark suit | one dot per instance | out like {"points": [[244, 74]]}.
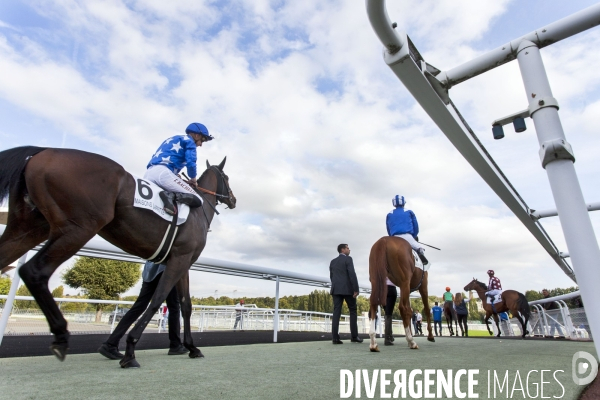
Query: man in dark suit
{"points": [[344, 287]]}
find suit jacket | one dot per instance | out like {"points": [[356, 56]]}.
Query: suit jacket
{"points": [[342, 275]]}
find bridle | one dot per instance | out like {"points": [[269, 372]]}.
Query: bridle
{"points": [[221, 179], [221, 187]]}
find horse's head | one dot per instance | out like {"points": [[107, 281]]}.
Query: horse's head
{"points": [[224, 193], [474, 285]]}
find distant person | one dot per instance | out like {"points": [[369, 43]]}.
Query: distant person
{"points": [[344, 287], [403, 223], [414, 321], [239, 315], [437, 312], [390, 304], [460, 306], [150, 276], [554, 325], [419, 324]]}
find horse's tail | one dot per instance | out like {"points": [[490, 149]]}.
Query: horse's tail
{"points": [[524, 306], [12, 164], [378, 272]]}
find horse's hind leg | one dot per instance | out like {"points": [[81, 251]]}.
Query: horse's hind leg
{"points": [[372, 316], [424, 296], [37, 272], [404, 307], [25, 229], [183, 291]]}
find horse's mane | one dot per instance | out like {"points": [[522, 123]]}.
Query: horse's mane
{"points": [[483, 285]]}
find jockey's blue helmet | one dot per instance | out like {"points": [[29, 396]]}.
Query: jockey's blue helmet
{"points": [[198, 128], [398, 201]]}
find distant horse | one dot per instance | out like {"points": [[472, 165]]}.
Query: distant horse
{"points": [[450, 314], [512, 301], [65, 197], [392, 257]]}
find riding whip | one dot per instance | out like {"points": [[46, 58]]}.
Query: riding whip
{"points": [[428, 245]]}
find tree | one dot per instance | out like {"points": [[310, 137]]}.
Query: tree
{"points": [[5, 283], [24, 304], [102, 279], [58, 292]]}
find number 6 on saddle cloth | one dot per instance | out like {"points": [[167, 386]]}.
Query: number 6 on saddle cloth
{"points": [[149, 195]]}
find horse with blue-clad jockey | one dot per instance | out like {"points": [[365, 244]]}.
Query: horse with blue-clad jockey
{"points": [[64, 197], [394, 259]]}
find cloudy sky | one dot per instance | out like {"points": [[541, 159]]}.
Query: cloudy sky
{"points": [[319, 134]]}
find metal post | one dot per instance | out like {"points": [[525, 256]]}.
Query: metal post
{"points": [[112, 325], [558, 160], [276, 316], [11, 296]]}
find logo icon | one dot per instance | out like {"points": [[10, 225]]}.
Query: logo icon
{"points": [[582, 363]]}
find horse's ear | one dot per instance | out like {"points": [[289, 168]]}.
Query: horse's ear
{"points": [[207, 164], [222, 163]]}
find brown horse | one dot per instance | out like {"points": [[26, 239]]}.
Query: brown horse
{"points": [[450, 315], [391, 257], [512, 301], [65, 197]]}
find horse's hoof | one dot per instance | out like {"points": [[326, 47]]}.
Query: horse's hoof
{"points": [[196, 353], [491, 333], [60, 350], [374, 349], [414, 346], [129, 363], [431, 339]]}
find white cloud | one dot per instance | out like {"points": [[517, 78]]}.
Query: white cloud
{"points": [[318, 132]]}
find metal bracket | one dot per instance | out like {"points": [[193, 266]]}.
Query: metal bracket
{"points": [[510, 118], [557, 149], [542, 103]]}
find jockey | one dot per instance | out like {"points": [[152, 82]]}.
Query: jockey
{"points": [[494, 287], [173, 154], [403, 223], [448, 296]]}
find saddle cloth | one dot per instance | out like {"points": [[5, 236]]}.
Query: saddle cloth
{"points": [[419, 263], [147, 196]]}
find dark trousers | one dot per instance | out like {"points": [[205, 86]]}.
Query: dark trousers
{"points": [[338, 301], [435, 325], [462, 322], [390, 301], [138, 308]]}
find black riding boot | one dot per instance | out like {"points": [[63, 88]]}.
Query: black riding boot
{"points": [[189, 199], [422, 257], [168, 199], [388, 331], [466, 330]]}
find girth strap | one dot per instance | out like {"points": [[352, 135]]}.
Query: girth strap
{"points": [[167, 242]]}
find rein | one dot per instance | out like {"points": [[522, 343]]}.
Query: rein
{"points": [[220, 183]]}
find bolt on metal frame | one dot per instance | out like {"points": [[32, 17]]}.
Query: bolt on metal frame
{"points": [[429, 86]]}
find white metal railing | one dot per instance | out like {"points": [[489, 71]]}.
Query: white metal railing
{"points": [[429, 86]]}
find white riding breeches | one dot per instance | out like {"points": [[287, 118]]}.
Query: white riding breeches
{"points": [[494, 294], [411, 240], [167, 180]]}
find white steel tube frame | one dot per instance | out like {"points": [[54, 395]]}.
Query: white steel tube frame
{"points": [[431, 92], [8, 305], [414, 73]]}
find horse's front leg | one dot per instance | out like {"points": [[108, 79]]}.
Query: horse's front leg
{"points": [[372, 316], [183, 289], [488, 314], [165, 285]]}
